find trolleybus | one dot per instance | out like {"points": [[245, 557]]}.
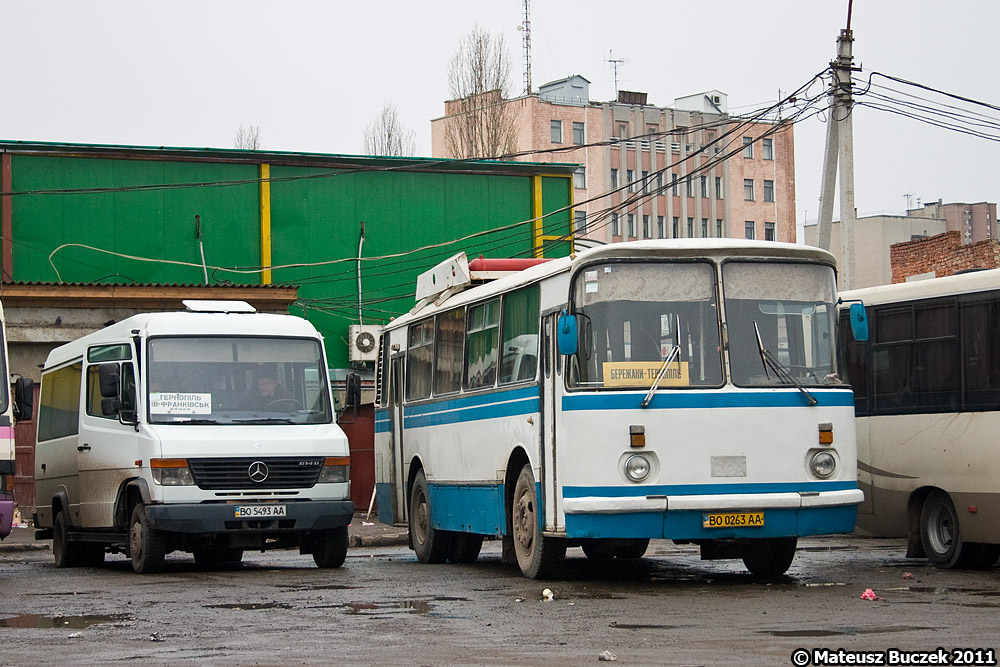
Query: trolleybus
{"points": [[927, 395], [683, 389]]}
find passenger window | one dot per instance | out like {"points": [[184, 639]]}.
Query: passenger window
{"points": [[520, 335], [59, 403], [419, 357], [449, 345], [481, 364]]}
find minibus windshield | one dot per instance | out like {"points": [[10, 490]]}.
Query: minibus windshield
{"points": [[237, 380]]}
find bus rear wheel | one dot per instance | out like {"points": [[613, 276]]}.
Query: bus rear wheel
{"points": [[941, 536], [465, 547], [430, 544], [538, 556], [770, 557]]}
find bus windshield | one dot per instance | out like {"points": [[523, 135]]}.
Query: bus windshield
{"points": [[637, 319], [780, 323], [237, 380]]}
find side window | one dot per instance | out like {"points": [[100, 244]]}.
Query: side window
{"points": [[419, 355], [519, 360], [482, 340], [450, 341], [854, 357], [59, 403]]}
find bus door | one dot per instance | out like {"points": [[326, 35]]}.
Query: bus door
{"points": [[396, 439], [549, 387]]}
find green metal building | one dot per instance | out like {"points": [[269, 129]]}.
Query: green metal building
{"points": [[140, 215]]}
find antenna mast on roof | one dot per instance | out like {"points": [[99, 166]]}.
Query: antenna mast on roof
{"points": [[615, 63], [525, 29]]}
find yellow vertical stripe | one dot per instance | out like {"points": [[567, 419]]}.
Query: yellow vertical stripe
{"points": [[265, 223], [536, 213]]}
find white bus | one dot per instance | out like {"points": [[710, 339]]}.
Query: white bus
{"points": [[683, 389], [927, 396], [209, 431]]}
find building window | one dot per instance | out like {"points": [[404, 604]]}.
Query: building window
{"points": [[673, 185], [677, 226], [622, 130], [580, 222], [645, 226], [704, 228], [616, 229], [578, 134], [690, 228], [659, 227], [659, 182], [580, 178], [768, 231], [750, 232], [645, 182], [768, 190], [767, 148], [748, 189], [556, 126], [631, 225], [718, 227], [614, 178], [690, 186], [704, 187], [652, 130], [718, 187], [629, 175], [747, 147]]}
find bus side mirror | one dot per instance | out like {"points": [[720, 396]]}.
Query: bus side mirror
{"points": [[24, 398], [859, 322], [108, 376], [566, 334]]}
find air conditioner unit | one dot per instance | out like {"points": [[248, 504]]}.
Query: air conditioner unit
{"points": [[364, 341]]}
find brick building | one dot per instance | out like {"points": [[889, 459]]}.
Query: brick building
{"points": [[636, 181], [941, 255]]}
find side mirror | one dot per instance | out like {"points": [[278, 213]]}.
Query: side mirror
{"points": [[109, 377], [352, 397], [567, 336], [859, 322], [24, 398]]}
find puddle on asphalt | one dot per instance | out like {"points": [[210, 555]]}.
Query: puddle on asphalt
{"points": [[298, 588], [636, 626], [841, 632], [942, 590], [34, 621], [249, 606], [422, 607]]}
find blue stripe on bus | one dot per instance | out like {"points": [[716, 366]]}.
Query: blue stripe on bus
{"points": [[472, 400], [705, 399], [703, 489], [382, 423], [507, 409]]}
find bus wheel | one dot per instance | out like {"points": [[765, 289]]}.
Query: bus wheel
{"points": [[631, 548], [465, 547], [430, 544], [146, 546], [769, 557], [332, 548], [598, 549], [939, 531], [538, 556]]}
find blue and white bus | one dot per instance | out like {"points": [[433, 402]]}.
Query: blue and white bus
{"points": [[682, 389]]}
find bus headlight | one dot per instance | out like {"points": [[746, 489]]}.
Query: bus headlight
{"points": [[637, 468], [336, 469], [823, 464], [171, 472]]}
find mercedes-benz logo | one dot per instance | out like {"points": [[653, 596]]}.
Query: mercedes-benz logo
{"points": [[257, 471]]}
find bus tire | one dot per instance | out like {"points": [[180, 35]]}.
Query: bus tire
{"points": [[598, 549], [331, 550], [465, 547], [146, 546], [940, 533], [631, 549], [430, 544], [769, 557], [538, 556]]}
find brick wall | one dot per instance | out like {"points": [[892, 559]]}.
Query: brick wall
{"points": [[943, 254]]}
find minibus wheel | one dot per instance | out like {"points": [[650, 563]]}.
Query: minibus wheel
{"points": [[430, 544], [331, 549], [538, 556], [73, 554], [146, 546]]}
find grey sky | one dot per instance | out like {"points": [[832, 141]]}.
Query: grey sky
{"points": [[312, 74]]}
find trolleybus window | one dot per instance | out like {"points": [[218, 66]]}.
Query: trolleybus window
{"points": [[635, 315], [484, 325], [448, 349], [780, 323], [419, 356], [520, 336]]}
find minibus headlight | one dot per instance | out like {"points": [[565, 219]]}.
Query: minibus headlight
{"points": [[336, 469], [637, 468], [171, 472], [823, 464]]}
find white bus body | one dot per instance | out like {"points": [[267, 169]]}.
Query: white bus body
{"points": [[726, 454], [927, 387], [210, 432]]}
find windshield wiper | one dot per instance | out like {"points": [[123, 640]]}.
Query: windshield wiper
{"points": [[675, 353], [266, 420], [197, 422], [767, 359]]}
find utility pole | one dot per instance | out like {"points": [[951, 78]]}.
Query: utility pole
{"points": [[525, 28], [840, 152]]}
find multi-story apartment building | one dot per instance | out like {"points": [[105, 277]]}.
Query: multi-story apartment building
{"points": [[658, 172]]}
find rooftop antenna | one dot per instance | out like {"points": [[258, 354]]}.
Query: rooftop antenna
{"points": [[525, 28], [615, 63]]}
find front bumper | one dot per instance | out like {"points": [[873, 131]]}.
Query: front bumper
{"points": [[209, 518]]}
